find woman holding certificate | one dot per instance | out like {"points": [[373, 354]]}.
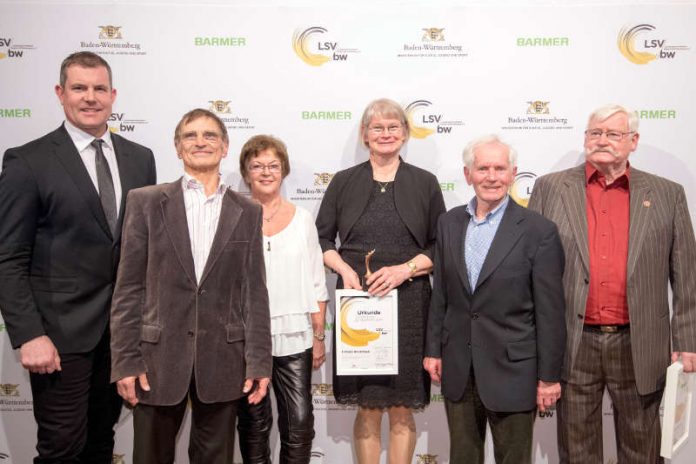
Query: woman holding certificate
{"points": [[297, 296], [391, 207]]}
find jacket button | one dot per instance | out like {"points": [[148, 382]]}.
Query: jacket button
{"points": [[190, 333], [474, 316], [201, 291], [580, 316], [468, 344]]}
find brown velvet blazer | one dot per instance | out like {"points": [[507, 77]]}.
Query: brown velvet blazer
{"points": [[167, 325]]}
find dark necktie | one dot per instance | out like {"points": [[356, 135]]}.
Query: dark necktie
{"points": [[105, 182]]}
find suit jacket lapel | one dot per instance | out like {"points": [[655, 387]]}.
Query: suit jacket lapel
{"points": [[575, 202], [507, 235], [638, 218], [230, 213], [70, 159], [174, 218], [360, 196], [456, 246]]}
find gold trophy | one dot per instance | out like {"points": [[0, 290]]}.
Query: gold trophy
{"points": [[368, 272]]}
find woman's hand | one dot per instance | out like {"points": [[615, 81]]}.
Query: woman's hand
{"points": [[350, 278], [387, 278], [318, 353]]}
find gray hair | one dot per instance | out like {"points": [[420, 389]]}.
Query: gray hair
{"points": [[468, 154], [387, 109], [607, 111]]}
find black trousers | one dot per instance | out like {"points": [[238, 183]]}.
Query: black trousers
{"points": [[76, 409], [292, 376], [211, 440], [512, 432]]}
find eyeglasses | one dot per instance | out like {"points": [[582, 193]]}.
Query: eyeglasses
{"points": [[257, 168], [393, 129], [614, 136], [211, 137]]}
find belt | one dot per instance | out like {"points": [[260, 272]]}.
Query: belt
{"points": [[605, 328]]}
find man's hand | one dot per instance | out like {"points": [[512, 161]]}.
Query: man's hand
{"points": [[126, 388], [434, 368], [260, 388], [688, 360], [40, 356], [547, 394]]}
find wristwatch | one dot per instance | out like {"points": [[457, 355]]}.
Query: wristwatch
{"points": [[320, 336]]}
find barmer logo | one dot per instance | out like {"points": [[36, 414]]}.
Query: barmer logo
{"points": [[308, 45], [8, 113], [327, 115], [219, 41], [110, 32], [12, 50], [647, 50], [425, 122], [543, 41], [521, 188]]}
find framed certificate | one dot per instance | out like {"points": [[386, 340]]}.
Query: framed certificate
{"points": [[366, 328], [677, 409]]}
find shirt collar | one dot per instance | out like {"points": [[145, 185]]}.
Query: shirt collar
{"points": [[82, 139], [592, 175], [188, 182], [495, 213]]}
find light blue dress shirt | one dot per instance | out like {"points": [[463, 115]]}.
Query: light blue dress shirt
{"points": [[479, 236]]}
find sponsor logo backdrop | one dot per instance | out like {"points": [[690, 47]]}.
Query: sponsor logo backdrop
{"points": [[531, 73]]}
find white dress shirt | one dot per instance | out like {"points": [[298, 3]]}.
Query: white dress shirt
{"points": [[202, 216], [83, 143]]}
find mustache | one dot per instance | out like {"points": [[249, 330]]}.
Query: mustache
{"points": [[609, 150]]}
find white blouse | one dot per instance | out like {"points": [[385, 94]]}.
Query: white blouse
{"points": [[296, 281]]}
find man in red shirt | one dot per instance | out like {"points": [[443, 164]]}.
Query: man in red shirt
{"points": [[625, 234]]}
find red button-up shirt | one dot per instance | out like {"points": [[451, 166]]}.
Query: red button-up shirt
{"points": [[607, 229]]}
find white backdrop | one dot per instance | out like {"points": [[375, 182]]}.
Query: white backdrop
{"points": [[304, 72]]}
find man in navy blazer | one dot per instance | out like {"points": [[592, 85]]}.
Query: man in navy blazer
{"points": [[496, 331], [62, 199]]}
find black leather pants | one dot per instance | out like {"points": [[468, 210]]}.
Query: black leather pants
{"points": [[292, 377]]}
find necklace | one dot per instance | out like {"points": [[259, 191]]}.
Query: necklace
{"points": [[269, 218], [383, 185]]}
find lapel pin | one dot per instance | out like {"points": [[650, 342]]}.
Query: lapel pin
{"points": [[646, 203]]}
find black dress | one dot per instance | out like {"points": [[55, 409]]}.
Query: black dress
{"points": [[381, 228]]}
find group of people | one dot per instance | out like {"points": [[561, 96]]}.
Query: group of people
{"points": [[114, 288]]}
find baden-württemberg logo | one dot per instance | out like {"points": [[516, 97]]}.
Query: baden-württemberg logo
{"points": [[432, 44], [10, 49], [118, 122], [315, 46], [12, 400], [110, 41], [425, 119], [537, 115], [641, 44], [322, 398], [315, 190], [426, 458], [226, 113]]}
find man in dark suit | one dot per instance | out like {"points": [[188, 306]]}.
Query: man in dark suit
{"points": [[61, 199], [495, 333], [190, 316], [626, 234]]}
